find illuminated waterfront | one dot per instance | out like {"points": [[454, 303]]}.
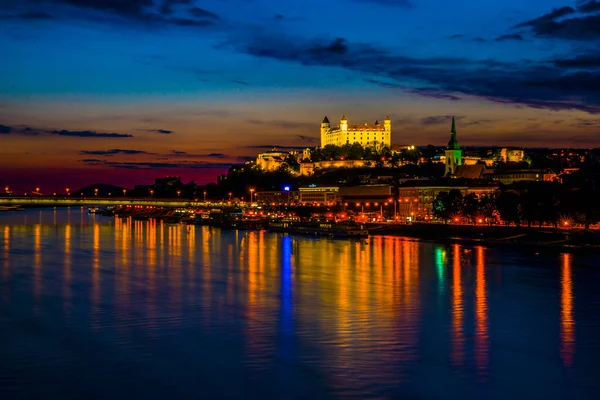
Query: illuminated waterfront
{"points": [[95, 307]]}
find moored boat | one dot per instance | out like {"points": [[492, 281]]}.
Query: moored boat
{"points": [[320, 228]]}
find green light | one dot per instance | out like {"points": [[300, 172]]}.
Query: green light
{"points": [[440, 258]]}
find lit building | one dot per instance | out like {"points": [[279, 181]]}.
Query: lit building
{"points": [[276, 197], [313, 194], [508, 176], [415, 198], [453, 152], [271, 160], [375, 135], [512, 155]]}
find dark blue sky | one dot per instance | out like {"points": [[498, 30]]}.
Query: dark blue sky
{"points": [[205, 83]]}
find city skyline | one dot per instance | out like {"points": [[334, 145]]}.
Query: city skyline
{"points": [[122, 92]]}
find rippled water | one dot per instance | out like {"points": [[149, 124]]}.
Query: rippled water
{"points": [[100, 308]]}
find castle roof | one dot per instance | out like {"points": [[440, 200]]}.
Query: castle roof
{"points": [[344, 118], [325, 120], [366, 127]]}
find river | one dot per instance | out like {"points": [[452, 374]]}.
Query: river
{"points": [[94, 307]]}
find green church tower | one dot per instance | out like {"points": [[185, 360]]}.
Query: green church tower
{"points": [[453, 152]]}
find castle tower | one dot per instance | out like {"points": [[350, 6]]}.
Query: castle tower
{"points": [[344, 123], [387, 125], [325, 126], [453, 152]]}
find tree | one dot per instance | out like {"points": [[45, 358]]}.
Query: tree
{"points": [[292, 163], [470, 206], [429, 152], [509, 207], [447, 204]]}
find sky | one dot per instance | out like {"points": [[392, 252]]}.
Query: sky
{"points": [[122, 91]]}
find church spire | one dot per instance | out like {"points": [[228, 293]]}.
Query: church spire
{"points": [[453, 143]]}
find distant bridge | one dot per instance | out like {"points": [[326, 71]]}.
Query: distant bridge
{"points": [[54, 201]]}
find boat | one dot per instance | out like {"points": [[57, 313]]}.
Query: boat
{"points": [[320, 228], [11, 208], [93, 210]]}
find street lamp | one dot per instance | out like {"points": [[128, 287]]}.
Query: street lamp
{"points": [[230, 194], [124, 192], [205, 196], [68, 191], [96, 192], [251, 193], [151, 193], [178, 193]]}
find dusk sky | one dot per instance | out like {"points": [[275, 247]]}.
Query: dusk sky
{"points": [[121, 91]]}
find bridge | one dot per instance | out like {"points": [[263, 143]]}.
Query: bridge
{"points": [[54, 201]]}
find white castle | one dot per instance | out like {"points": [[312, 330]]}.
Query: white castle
{"points": [[376, 135]]}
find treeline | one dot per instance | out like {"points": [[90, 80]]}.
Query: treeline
{"points": [[376, 154], [525, 203]]}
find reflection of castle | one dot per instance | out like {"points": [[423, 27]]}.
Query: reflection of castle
{"points": [[375, 135]]}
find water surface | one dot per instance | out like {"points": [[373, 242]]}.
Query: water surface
{"points": [[99, 308]]}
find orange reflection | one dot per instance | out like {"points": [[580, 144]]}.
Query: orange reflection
{"points": [[95, 275], [6, 269], [37, 264], [458, 339], [67, 272], [567, 319], [481, 314]]}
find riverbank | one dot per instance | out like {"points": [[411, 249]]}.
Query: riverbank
{"points": [[496, 236]]}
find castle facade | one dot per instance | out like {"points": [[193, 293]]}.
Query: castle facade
{"points": [[375, 135]]}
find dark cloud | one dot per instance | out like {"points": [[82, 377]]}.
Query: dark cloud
{"points": [[113, 152], [155, 165], [391, 3], [509, 36], [90, 134], [282, 124], [202, 13], [185, 154], [576, 28], [157, 12], [439, 119], [550, 17], [4, 130], [36, 15], [308, 139], [438, 77], [239, 82], [457, 36], [583, 61], [588, 6], [274, 146]]}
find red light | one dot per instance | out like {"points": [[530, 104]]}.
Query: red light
{"points": [[479, 220], [455, 219]]}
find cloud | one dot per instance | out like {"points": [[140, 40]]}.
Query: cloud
{"points": [[90, 134], [4, 130], [437, 77], [582, 61], [113, 152], [308, 139], [275, 146], [36, 15], [509, 36], [161, 131], [588, 6], [439, 119], [390, 3], [154, 165], [554, 25], [284, 124], [26, 130], [202, 13], [549, 17], [156, 12]]}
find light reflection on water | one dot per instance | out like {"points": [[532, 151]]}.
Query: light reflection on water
{"points": [[94, 307]]}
